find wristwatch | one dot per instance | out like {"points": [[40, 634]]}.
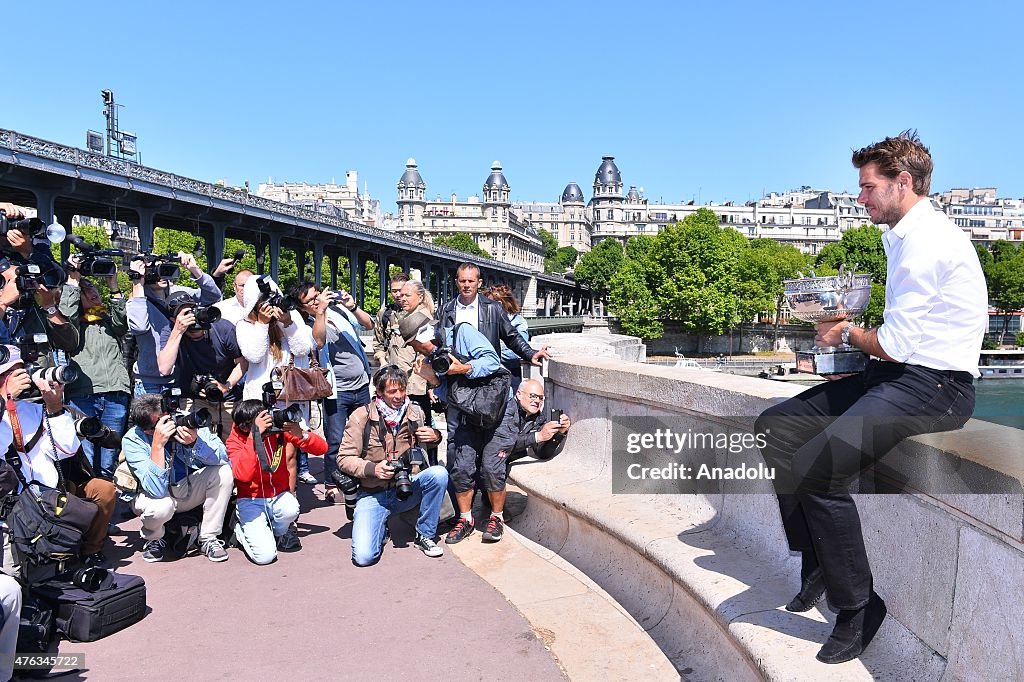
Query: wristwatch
{"points": [[845, 335], [51, 310]]}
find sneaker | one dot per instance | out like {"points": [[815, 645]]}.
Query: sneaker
{"points": [[462, 530], [96, 560], [214, 550], [154, 550], [306, 477], [495, 529], [428, 546], [289, 542]]}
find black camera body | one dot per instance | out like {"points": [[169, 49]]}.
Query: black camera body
{"points": [[291, 413], [170, 400], [194, 420], [39, 271], [440, 361], [274, 298], [271, 389], [349, 487], [403, 471], [158, 267], [95, 262], [33, 227], [205, 384], [95, 431]]}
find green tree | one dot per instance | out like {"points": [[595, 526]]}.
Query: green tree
{"points": [[567, 257], [1003, 250], [597, 267], [761, 271], [461, 241], [97, 236], [631, 300], [1006, 288], [860, 247], [699, 260], [984, 256]]}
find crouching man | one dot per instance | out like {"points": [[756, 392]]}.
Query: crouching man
{"points": [[382, 448], [163, 458], [264, 463], [536, 434]]}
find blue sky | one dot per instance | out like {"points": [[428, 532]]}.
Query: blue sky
{"points": [[696, 100]]}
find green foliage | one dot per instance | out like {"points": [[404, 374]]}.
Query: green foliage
{"points": [[761, 270], [461, 241], [371, 289], [549, 241], [597, 267], [872, 315], [98, 237], [1018, 340], [984, 256], [566, 257], [1006, 285], [988, 343], [166, 240], [631, 300], [248, 262], [1003, 250], [860, 246]]}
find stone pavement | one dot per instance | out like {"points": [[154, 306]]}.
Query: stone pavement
{"points": [[313, 615]]}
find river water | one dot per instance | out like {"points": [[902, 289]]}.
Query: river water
{"points": [[1000, 401]]}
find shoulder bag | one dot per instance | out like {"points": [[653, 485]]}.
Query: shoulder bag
{"points": [[300, 384]]}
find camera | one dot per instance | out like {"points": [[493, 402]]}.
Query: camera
{"points": [[92, 429], [292, 413], [205, 384], [95, 262], [440, 361], [62, 374], [158, 267], [194, 420], [89, 578], [403, 484], [170, 400], [271, 389], [349, 487], [555, 415], [40, 270], [32, 228], [206, 316], [274, 298]]}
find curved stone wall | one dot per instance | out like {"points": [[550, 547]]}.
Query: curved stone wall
{"points": [[707, 575]]}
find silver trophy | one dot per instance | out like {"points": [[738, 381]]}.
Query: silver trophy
{"points": [[828, 299]]}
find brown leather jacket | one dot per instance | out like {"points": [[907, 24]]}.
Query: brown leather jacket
{"points": [[359, 462]]}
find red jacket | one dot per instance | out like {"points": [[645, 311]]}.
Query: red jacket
{"points": [[250, 479]]}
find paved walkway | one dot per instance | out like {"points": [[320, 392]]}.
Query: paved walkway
{"points": [[313, 615]]}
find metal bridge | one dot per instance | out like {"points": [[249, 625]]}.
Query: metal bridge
{"points": [[62, 182]]}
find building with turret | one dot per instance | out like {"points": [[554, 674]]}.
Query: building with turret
{"points": [[493, 223], [566, 219]]}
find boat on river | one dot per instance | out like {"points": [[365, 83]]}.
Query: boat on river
{"points": [[1001, 364]]}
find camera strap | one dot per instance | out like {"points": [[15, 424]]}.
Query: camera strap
{"points": [[260, 446], [19, 444]]}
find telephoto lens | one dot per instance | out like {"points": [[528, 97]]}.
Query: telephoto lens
{"points": [[64, 374], [349, 488], [208, 387], [292, 413], [194, 420], [88, 427], [206, 316], [439, 361]]}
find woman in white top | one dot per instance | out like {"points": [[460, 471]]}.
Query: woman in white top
{"points": [[268, 336]]}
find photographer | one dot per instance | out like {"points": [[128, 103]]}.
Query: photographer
{"points": [[536, 435], [206, 356], [148, 315], [334, 329], [474, 451], [162, 455], [28, 302], [232, 308], [263, 461], [269, 336], [103, 388], [42, 435], [380, 449], [385, 325]]}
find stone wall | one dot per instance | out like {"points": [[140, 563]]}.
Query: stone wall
{"points": [[950, 566], [747, 339]]}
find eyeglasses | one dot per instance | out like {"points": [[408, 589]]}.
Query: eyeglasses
{"points": [[534, 396]]}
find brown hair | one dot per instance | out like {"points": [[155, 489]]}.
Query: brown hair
{"points": [[893, 155], [468, 266], [503, 295], [399, 277], [274, 331]]}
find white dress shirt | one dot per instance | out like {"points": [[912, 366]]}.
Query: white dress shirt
{"points": [[467, 313], [38, 464], [230, 309], [936, 300]]}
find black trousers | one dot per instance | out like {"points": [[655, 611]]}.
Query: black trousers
{"points": [[820, 441]]}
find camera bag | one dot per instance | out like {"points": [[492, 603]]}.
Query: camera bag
{"points": [[36, 633], [301, 384], [481, 401], [83, 616]]}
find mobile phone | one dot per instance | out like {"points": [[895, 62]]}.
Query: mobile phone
{"points": [[556, 414]]}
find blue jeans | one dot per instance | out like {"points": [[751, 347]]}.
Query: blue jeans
{"points": [[261, 521], [336, 414], [374, 508], [112, 409], [142, 388]]}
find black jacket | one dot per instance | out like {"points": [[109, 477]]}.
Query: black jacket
{"points": [[493, 323], [525, 432]]}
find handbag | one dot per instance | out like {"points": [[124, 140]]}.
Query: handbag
{"points": [[300, 384], [481, 401]]}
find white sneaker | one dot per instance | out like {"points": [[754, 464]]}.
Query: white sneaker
{"points": [[306, 477], [428, 546]]}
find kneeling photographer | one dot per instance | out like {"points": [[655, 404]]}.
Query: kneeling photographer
{"points": [[202, 351], [180, 464], [262, 448], [42, 438], [382, 448], [103, 387]]}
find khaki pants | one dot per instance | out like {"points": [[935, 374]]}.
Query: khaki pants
{"points": [[210, 487], [221, 414], [103, 494]]}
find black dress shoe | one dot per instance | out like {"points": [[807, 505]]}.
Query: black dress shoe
{"points": [[812, 589], [854, 630]]}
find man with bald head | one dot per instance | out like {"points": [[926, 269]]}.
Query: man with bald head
{"points": [[536, 435]]}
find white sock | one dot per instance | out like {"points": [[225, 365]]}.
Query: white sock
{"points": [[467, 516], [500, 515]]}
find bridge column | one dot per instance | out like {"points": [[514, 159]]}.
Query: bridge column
{"points": [[275, 254], [300, 263], [214, 243], [146, 216], [547, 304], [382, 276], [45, 200], [318, 262], [355, 264], [332, 263]]}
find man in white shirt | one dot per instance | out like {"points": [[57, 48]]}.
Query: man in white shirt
{"points": [[231, 309], [936, 314]]}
